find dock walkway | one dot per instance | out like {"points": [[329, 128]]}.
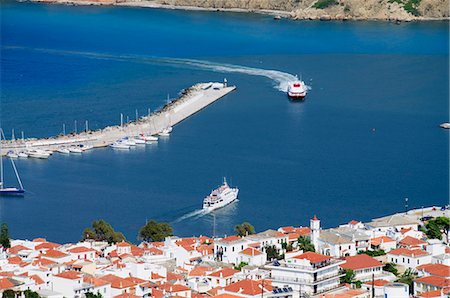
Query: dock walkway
{"points": [[191, 101]]}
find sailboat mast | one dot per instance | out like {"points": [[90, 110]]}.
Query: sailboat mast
{"points": [[17, 173]]}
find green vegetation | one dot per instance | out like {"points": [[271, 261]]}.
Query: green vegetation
{"points": [[240, 266], [321, 4], [154, 231], [373, 253], [4, 236], [349, 276], [409, 5], [91, 295], [13, 294], [32, 294], [407, 278], [102, 231], [273, 253], [391, 267], [287, 247], [436, 227], [305, 244], [244, 229]]}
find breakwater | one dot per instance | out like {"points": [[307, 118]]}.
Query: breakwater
{"points": [[190, 101]]}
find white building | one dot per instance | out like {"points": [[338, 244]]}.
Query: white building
{"points": [[309, 273], [408, 258]]}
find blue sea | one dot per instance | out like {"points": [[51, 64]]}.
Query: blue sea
{"points": [[366, 137]]}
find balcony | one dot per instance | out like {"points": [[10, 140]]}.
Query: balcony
{"points": [[310, 282]]}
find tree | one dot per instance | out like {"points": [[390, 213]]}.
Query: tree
{"points": [[31, 294], [4, 236], [91, 295], [407, 278], [349, 276], [273, 253], [305, 244], [102, 231], [240, 266], [154, 231], [436, 227], [373, 253], [244, 229], [390, 267], [9, 294]]}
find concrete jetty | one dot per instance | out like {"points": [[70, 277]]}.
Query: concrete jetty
{"points": [[191, 101]]}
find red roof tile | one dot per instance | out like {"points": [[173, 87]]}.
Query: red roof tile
{"points": [[436, 269], [361, 261], [225, 272], [249, 287], [5, 283], [411, 241], [251, 252], [436, 281], [70, 275], [313, 257], [382, 239], [377, 282], [408, 252]]}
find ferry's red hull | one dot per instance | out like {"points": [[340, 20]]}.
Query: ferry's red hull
{"points": [[297, 96]]}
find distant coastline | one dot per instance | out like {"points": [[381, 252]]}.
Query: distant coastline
{"points": [[393, 13]]}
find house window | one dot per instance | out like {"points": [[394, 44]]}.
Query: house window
{"points": [[232, 249]]}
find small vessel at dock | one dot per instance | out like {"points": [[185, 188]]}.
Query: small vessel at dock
{"points": [[12, 154], [22, 155], [75, 149], [220, 197], [119, 145], [36, 153], [148, 139], [297, 90], [63, 150]]}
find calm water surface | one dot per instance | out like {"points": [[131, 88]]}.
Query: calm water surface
{"points": [[366, 137]]}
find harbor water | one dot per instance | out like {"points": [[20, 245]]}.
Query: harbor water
{"points": [[366, 137]]}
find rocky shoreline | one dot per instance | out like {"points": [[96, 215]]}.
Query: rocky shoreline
{"points": [[393, 12]]}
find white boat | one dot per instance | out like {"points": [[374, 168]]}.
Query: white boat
{"points": [[297, 90], [165, 132], [128, 141], [75, 149], [63, 150], [12, 154], [22, 155], [37, 154], [139, 141], [148, 139], [445, 125], [220, 197], [119, 145]]}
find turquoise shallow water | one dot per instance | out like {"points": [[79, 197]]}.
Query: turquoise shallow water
{"points": [[290, 160]]}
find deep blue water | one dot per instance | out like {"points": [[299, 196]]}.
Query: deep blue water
{"points": [[366, 137]]}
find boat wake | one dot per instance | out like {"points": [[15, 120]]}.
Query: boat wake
{"points": [[194, 214], [280, 78]]}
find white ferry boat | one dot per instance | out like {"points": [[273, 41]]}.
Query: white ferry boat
{"points": [[220, 197], [297, 90]]}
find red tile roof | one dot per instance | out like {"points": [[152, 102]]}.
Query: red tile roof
{"points": [[70, 275], [37, 279], [249, 287], [434, 294], [436, 269], [117, 282], [97, 282], [361, 261], [410, 241], [174, 288], [227, 296], [5, 283], [353, 222], [408, 252], [231, 238], [225, 272], [200, 271], [436, 281], [55, 254], [126, 295], [382, 239], [47, 245], [123, 244], [251, 252], [80, 249], [377, 282], [313, 257], [16, 249]]}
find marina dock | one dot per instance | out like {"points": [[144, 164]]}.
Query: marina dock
{"points": [[191, 101]]}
